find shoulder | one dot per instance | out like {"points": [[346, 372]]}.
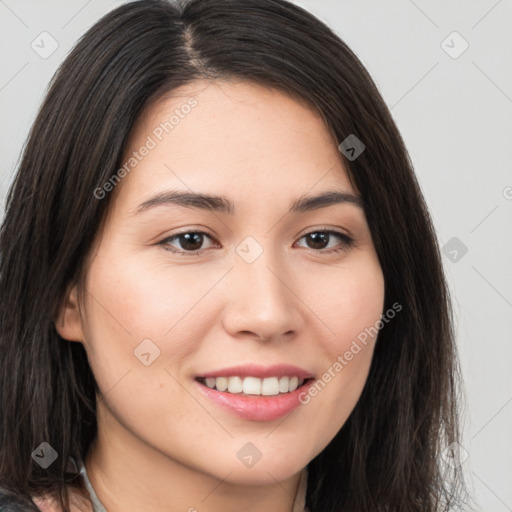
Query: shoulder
{"points": [[10, 501], [13, 501], [46, 505], [77, 504]]}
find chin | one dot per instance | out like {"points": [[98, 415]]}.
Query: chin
{"points": [[267, 470]]}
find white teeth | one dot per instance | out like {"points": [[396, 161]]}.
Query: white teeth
{"points": [[269, 386], [235, 385], [251, 386], [221, 383]]}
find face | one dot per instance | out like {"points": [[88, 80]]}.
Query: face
{"points": [[186, 295]]}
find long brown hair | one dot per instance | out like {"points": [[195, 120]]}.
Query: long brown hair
{"points": [[386, 457]]}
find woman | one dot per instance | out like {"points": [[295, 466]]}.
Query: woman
{"points": [[220, 285]]}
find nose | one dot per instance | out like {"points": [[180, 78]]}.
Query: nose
{"points": [[262, 301]]}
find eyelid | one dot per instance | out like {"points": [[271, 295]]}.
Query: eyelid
{"points": [[326, 229]]}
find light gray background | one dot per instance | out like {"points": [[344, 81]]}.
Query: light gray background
{"points": [[455, 116]]}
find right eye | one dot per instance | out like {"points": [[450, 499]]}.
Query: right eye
{"points": [[190, 241]]}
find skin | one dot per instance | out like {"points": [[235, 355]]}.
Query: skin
{"points": [[161, 444]]}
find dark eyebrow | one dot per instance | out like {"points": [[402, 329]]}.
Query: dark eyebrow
{"points": [[308, 203], [223, 205]]}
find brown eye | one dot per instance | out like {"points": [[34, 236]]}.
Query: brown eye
{"points": [[189, 242], [320, 239]]}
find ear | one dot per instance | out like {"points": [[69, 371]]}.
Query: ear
{"points": [[68, 321]]}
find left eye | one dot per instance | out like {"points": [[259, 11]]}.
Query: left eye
{"points": [[322, 236], [191, 241]]}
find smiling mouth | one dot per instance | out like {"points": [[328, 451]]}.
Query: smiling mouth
{"points": [[254, 386]]}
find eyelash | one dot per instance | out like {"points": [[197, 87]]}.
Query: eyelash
{"points": [[346, 242]]}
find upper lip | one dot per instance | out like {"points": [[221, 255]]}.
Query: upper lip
{"points": [[254, 370]]}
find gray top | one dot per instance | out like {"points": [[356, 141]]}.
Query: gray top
{"points": [[96, 503]]}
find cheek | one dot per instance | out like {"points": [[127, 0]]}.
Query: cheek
{"points": [[130, 303], [135, 307], [129, 308], [351, 303], [348, 349], [132, 298]]}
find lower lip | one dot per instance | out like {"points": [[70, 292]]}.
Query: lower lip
{"points": [[257, 407]]}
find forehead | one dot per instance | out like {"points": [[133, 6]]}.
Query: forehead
{"points": [[231, 138]]}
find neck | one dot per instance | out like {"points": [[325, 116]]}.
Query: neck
{"points": [[128, 475]]}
